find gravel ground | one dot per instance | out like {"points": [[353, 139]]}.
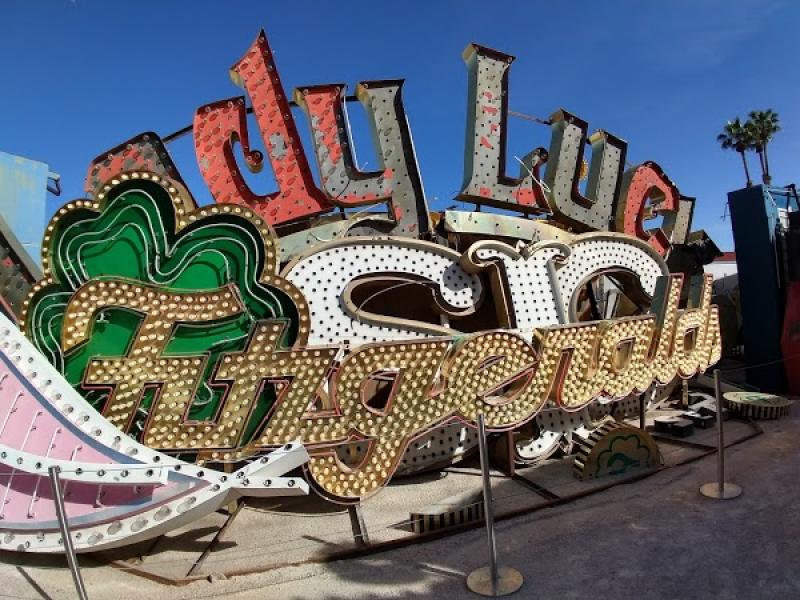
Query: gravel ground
{"points": [[656, 538]]}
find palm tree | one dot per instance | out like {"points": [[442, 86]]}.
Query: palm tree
{"points": [[763, 125], [737, 137], [758, 147]]}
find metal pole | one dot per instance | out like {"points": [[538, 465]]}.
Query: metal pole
{"points": [[69, 549], [720, 436], [491, 581], [719, 489], [488, 506]]}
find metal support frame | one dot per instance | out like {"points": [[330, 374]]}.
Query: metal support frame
{"points": [[360, 534], [503, 453], [492, 581], [642, 412], [69, 549], [720, 490], [536, 488], [510, 447], [238, 506]]}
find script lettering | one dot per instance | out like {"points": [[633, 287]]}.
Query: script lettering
{"points": [[218, 125], [175, 377], [485, 181], [591, 211], [398, 182], [640, 184], [408, 411]]}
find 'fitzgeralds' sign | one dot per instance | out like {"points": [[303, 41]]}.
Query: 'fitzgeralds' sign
{"points": [[178, 327]]}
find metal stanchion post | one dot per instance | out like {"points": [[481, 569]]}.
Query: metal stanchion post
{"points": [[491, 581], [69, 549], [720, 489]]}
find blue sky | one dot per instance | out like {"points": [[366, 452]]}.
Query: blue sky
{"points": [[82, 76]]}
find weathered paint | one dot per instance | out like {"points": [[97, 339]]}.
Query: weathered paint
{"points": [[218, 125], [23, 199]]}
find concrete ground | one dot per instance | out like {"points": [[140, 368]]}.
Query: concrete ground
{"points": [[655, 538]]}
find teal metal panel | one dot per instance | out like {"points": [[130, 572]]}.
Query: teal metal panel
{"points": [[754, 217], [23, 198]]}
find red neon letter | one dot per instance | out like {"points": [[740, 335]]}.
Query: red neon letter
{"points": [[218, 125]]}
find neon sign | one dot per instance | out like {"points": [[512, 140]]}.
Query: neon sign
{"points": [[116, 490], [223, 332], [614, 200], [177, 327]]}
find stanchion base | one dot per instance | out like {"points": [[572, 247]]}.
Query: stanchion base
{"points": [[729, 490], [508, 581]]}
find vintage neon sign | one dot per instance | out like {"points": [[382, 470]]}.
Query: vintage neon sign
{"points": [[116, 490], [614, 200], [179, 329], [223, 332], [167, 338]]}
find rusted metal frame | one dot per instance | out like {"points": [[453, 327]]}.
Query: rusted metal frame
{"points": [[524, 117], [123, 565], [679, 442], [642, 412], [397, 543], [215, 540], [150, 549], [446, 532], [388, 545], [710, 449], [358, 525], [503, 454], [509, 447], [536, 488], [616, 284], [593, 302]]}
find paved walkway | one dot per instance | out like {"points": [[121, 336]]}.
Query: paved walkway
{"points": [[657, 538]]}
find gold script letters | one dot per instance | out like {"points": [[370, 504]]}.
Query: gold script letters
{"points": [[325, 400]]}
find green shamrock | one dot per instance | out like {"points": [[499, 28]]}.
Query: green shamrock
{"points": [[133, 237]]}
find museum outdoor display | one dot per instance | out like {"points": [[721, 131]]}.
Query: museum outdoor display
{"points": [[176, 356]]}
